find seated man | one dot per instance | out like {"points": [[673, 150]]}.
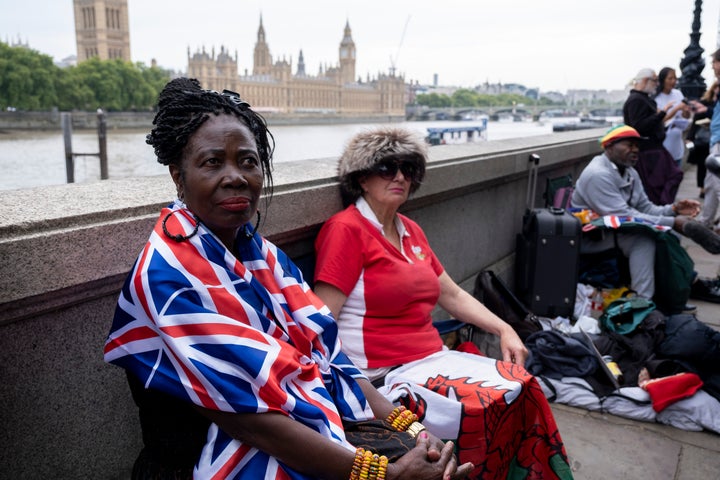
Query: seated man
{"points": [[610, 185]]}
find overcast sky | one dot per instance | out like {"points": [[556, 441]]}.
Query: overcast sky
{"points": [[549, 44]]}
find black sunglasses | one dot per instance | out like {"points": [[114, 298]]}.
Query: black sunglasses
{"points": [[387, 170]]}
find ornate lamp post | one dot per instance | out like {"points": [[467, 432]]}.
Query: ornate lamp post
{"points": [[692, 84]]}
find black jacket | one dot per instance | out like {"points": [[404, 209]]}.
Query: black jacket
{"points": [[641, 112]]}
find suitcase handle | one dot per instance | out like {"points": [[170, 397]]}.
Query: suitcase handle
{"points": [[556, 210], [532, 180]]}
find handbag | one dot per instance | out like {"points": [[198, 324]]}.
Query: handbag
{"points": [[492, 292], [625, 314], [702, 137], [380, 437]]}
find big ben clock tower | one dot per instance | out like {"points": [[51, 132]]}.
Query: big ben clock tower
{"points": [[102, 29], [347, 57]]}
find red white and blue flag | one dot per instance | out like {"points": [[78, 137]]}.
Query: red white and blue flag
{"points": [[236, 336]]}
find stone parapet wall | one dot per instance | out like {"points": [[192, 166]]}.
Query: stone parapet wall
{"points": [[65, 251]]}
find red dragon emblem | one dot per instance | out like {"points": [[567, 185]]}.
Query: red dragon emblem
{"points": [[505, 436]]}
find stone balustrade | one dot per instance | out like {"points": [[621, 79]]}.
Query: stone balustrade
{"points": [[65, 251]]}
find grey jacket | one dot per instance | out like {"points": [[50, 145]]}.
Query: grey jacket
{"points": [[601, 189]]}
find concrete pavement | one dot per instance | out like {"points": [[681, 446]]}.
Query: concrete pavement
{"points": [[603, 446]]}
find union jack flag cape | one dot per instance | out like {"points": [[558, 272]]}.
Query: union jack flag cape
{"points": [[237, 336], [617, 221]]}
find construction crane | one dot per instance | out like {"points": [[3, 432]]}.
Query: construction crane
{"points": [[393, 61]]}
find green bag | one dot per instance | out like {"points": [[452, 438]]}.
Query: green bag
{"points": [[625, 314], [674, 273]]}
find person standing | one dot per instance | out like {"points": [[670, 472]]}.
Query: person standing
{"points": [[658, 172], [700, 134], [712, 180], [676, 125]]}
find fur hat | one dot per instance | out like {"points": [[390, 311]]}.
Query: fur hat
{"points": [[369, 147]]}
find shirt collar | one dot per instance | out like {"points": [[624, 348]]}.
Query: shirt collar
{"points": [[364, 208]]}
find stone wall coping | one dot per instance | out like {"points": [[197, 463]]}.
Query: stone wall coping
{"points": [[78, 240], [36, 211]]}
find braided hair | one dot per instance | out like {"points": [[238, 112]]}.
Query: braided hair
{"points": [[183, 106]]}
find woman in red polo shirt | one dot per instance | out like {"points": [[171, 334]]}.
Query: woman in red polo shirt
{"points": [[381, 280]]}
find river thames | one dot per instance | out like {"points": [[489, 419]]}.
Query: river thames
{"points": [[35, 158]]}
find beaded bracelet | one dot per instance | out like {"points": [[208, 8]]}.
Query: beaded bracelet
{"points": [[396, 411], [368, 465], [401, 418]]}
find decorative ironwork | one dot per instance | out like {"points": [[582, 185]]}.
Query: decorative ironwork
{"points": [[692, 84]]}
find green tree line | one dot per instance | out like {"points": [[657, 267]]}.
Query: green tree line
{"points": [[468, 98], [29, 80]]}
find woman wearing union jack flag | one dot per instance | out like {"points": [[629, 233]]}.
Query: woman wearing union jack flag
{"points": [[234, 363]]}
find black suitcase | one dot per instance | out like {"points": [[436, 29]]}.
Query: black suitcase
{"points": [[547, 256]]}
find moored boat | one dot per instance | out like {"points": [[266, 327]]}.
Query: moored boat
{"points": [[457, 134]]}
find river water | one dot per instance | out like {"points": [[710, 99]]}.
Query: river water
{"points": [[34, 158]]}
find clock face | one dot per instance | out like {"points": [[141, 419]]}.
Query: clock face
{"points": [[344, 52]]}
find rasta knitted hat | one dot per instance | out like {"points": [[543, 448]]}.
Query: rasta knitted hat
{"points": [[367, 148], [619, 132]]}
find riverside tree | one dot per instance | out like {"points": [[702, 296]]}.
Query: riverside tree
{"points": [[29, 80]]}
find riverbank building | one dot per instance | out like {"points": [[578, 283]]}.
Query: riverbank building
{"points": [[273, 87], [102, 29]]}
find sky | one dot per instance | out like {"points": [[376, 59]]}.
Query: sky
{"points": [[553, 45]]}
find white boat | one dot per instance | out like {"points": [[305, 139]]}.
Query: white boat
{"points": [[474, 117], [559, 117], [458, 134], [611, 116]]}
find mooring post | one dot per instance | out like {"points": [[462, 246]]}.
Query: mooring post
{"points": [[102, 143], [66, 122]]}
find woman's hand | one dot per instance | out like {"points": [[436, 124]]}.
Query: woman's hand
{"points": [[512, 348], [425, 462], [698, 107], [467, 308]]}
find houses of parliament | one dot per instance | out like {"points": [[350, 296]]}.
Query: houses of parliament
{"points": [[102, 30]]}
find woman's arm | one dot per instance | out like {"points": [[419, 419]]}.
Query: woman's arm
{"points": [[332, 296], [671, 109], [305, 450], [463, 306], [299, 447]]}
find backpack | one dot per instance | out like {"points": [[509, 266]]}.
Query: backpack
{"points": [[558, 191], [492, 292], [625, 314]]}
